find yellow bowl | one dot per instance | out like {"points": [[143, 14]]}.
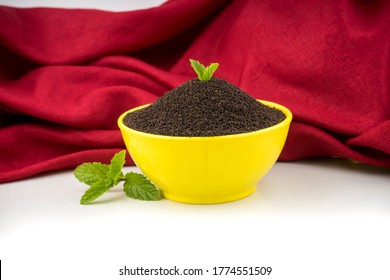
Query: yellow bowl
{"points": [[207, 170]]}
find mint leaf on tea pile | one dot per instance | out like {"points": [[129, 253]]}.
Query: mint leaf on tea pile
{"points": [[204, 73], [102, 177], [209, 71], [139, 187], [198, 68]]}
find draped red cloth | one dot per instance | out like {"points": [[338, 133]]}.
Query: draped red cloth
{"points": [[67, 74]]}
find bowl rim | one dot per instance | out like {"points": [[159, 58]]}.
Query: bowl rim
{"points": [[283, 123]]}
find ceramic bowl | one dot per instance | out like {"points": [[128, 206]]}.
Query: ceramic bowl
{"points": [[207, 170]]}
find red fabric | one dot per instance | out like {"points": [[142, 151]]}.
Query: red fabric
{"points": [[66, 75]]}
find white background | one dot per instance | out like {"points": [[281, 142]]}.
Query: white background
{"points": [[326, 219], [110, 5]]}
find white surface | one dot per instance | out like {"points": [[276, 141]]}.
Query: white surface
{"points": [[109, 5], [308, 220]]}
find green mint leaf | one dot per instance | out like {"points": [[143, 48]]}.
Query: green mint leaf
{"points": [[90, 173], [115, 168], [204, 73], [96, 190], [137, 186], [209, 71], [198, 68]]}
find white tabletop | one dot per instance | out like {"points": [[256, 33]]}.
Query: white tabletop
{"points": [[307, 220], [327, 219]]}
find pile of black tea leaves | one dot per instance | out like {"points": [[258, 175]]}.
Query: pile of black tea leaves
{"points": [[204, 108]]}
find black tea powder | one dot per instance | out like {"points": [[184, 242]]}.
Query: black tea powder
{"points": [[204, 108]]}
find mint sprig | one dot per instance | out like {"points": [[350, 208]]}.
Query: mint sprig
{"points": [[204, 73], [102, 177]]}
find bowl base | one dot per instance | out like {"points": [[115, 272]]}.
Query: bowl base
{"points": [[209, 200]]}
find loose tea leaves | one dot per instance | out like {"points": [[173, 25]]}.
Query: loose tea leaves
{"points": [[102, 177], [204, 108]]}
